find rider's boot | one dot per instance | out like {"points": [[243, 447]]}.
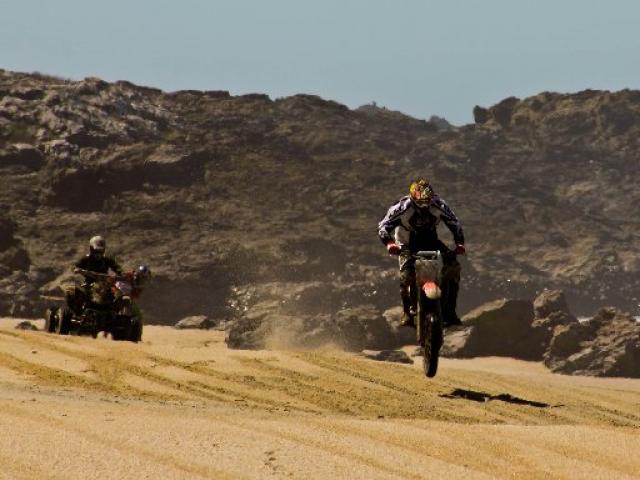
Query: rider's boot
{"points": [[450, 287], [409, 312]]}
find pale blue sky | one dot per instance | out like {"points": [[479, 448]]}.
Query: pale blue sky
{"points": [[421, 57]]}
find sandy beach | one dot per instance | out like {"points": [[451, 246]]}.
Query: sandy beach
{"points": [[182, 405]]}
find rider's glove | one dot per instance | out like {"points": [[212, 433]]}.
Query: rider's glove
{"points": [[460, 250], [393, 248]]}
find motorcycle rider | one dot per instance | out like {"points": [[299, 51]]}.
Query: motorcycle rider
{"points": [[410, 226], [95, 261]]}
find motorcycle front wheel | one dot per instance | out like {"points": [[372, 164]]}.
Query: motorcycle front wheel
{"points": [[430, 335]]}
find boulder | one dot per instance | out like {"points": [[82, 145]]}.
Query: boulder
{"points": [[396, 356], [352, 329], [606, 345], [550, 301], [195, 322], [455, 342], [501, 327], [551, 310], [250, 332], [515, 328], [363, 326], [404, 335], [26, 325]]}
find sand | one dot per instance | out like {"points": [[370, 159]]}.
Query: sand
{"points": [[181, 405]]}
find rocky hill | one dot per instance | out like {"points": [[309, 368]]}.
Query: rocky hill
{"points": [[231, 199]]}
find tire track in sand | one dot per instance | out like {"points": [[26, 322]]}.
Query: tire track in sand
{"points": [[109, 369], [114, 364]]}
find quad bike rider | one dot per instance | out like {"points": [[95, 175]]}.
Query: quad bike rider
{"points": [[104, 301], [410, 226], [97, 262]]}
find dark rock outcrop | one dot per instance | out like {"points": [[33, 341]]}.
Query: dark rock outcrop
{"points": [[607, 345], [502, 328], [218, 192]]}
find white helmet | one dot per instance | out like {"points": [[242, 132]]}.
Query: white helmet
{"points": [[97, 244]]}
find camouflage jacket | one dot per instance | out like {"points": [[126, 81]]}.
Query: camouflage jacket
{"points": [[98, 265]]}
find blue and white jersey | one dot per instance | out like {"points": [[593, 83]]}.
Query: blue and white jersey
{"points": [[419, 225]]}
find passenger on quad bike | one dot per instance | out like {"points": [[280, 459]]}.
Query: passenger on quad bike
{"points": [[410, 226], [95, 261]]}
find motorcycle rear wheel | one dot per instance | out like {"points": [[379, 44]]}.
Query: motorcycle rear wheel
{"points": [[430, 352]]}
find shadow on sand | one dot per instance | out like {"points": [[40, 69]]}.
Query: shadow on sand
{"points": [[485, 397]]}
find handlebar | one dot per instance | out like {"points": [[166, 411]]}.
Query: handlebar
{"points": [[428, 254], [98, 275]]}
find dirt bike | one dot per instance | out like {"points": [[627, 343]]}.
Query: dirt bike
{"points": [[106, 308], [429, 331]]}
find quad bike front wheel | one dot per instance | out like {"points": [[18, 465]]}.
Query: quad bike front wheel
{"points": [[50, 319], [63, 321], [135, 331]]}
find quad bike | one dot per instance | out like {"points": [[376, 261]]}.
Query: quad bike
{"points": [[106, 307], [429, 314]]}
